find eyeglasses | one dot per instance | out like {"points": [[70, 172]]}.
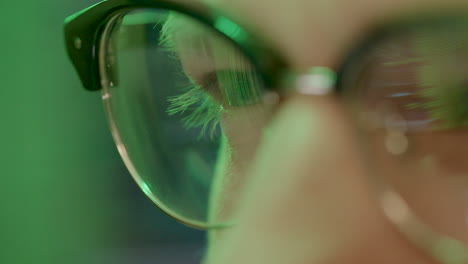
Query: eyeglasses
{"points": [[188, 93]]}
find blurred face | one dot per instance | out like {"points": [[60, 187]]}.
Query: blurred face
{"points": [[294, 172]]}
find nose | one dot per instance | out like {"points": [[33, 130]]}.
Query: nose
{"points": [[308, 197]]}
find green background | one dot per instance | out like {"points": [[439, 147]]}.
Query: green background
{"points": [[55, 204], [63, 191]]}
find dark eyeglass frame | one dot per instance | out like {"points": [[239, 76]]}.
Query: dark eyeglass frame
{"points": [[83, 32], [84, 29]]}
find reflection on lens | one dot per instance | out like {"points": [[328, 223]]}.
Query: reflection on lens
{"points": [[186, 108], [409, 94]]}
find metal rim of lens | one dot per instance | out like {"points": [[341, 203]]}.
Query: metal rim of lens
{"points": [[106, 96]]}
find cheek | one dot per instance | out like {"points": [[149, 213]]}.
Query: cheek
{"points": [[432, 176], [243, 128]]}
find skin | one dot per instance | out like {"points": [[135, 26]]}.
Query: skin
{"points": [[318, 205]]}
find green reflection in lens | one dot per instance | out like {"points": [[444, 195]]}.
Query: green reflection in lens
{"points": [[230, 29]]}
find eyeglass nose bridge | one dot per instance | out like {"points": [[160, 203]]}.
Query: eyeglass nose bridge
{"points": [[313, 81]]}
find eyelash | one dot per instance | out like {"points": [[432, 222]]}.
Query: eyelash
{"points": [[205, 100], [201, 110]]}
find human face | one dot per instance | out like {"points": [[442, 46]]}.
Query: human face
{"points": [[290, 164], [318, 33]]}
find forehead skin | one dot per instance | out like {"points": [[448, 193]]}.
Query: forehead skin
{"points": [[319, 32]]}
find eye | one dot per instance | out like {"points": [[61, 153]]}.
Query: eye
{"points": [[421, 78], [386, 87]]}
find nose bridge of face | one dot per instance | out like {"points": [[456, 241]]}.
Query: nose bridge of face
{"points": [[313, 81]]}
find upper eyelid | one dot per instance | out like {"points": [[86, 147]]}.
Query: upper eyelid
{"points": [[210, 78]]}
